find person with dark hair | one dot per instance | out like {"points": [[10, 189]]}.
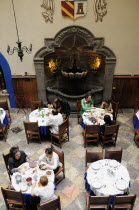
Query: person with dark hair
{"points": [[55, 119], [56, 105], [86, 103], [108, 122], [106, 104], [17, 158], [51, 159], [45, 191]]}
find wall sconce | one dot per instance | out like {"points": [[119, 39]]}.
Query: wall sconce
{"points": [[53, 65], [95, 63]]}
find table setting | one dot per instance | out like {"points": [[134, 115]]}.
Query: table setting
{"points": [[95, 116], [108, 177], [28, 173]]}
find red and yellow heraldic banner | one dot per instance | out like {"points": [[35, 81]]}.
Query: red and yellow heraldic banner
{"points": [[74, 8]]}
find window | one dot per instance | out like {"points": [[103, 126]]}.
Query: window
{"points": [[2, 81]]}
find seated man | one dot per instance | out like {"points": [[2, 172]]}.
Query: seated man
{"points": [[45, 191], [86, 103], [51, 158], [54, 121], [17, 158], [107, 106]]}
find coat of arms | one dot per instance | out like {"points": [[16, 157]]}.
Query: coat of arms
{"points": [[74, 8]]}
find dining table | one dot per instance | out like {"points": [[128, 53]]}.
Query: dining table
{"points": [[95, 116], [3, 117], [107, 177], [26, 176], [41, 116]]}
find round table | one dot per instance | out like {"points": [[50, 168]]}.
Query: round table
{"points": [[97, 113], [43, 122], [34, 173], [108, 177]]}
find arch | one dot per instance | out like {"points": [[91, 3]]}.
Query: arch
{"points": [[8, 80]]}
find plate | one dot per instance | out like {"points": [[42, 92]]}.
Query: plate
{"points": [[23, 167], [95, 166], [43, 167], [121, 184], [48, 173], [32, 164], [97, 184], [113, 163]]}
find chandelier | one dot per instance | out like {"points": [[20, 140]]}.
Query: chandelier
{"points": [[19, 49]]}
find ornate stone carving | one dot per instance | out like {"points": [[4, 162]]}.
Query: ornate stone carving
{"points": [[48, 5], [100, 9]]}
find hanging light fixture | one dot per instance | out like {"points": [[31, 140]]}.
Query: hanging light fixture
{"points": [[19, 49]]}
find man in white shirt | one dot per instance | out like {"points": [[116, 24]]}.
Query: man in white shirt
{"points": [[54, 121], [45, 191], [51, 159]]}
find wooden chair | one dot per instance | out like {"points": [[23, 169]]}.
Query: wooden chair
{"points": [[62, 166], [63, 134], [50, 205], [91, 134], [92, 157], [20, 102], [3, 131], [98, 202], [32, 131], [6, 158], [36, 104], [78, 106], [136, 105], [115, 107], [110, 135], [4, 105], [13, 199], [124, 202], [136, 137], [114, 154]]}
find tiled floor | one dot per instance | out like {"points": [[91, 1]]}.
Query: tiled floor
{"points": [[71, 190]]}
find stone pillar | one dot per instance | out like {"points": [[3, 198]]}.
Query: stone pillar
{"points": [[39, 68], [108, 78]]}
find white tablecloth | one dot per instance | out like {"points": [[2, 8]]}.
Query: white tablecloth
{"points": [[105, 179], [97, 113], [35, 116], [29, 173], [2, 114]]}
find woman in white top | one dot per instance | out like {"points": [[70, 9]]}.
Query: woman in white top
{"points": [[45, 191], [55, 119], [51, 158]]}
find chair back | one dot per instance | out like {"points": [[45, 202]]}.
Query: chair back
{"points": [[33, 126], [92, 129], [12, 197], [114, 154], [1, 128], [110, 130], [99, 200], [78, 106], [4, 105], [6, 158], [136, 106], [115, 106], [36, 104], [126, 202], [93, 156], [60, 154], [51, 205], [63, 127]]}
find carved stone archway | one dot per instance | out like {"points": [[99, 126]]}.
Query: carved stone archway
{"points": [[96, 44]]}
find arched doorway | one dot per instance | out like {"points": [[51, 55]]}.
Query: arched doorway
{"points": [[8, 80]]}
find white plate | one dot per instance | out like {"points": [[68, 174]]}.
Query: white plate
{"points": [[23, 167], [121, 184], [95, 166], [97, 184], [113, 163]]}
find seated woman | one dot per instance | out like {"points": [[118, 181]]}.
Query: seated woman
{"points": [[51, 158], [17, 158], [107, 106], [56, 105], [45, 191], [108, 122]]}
